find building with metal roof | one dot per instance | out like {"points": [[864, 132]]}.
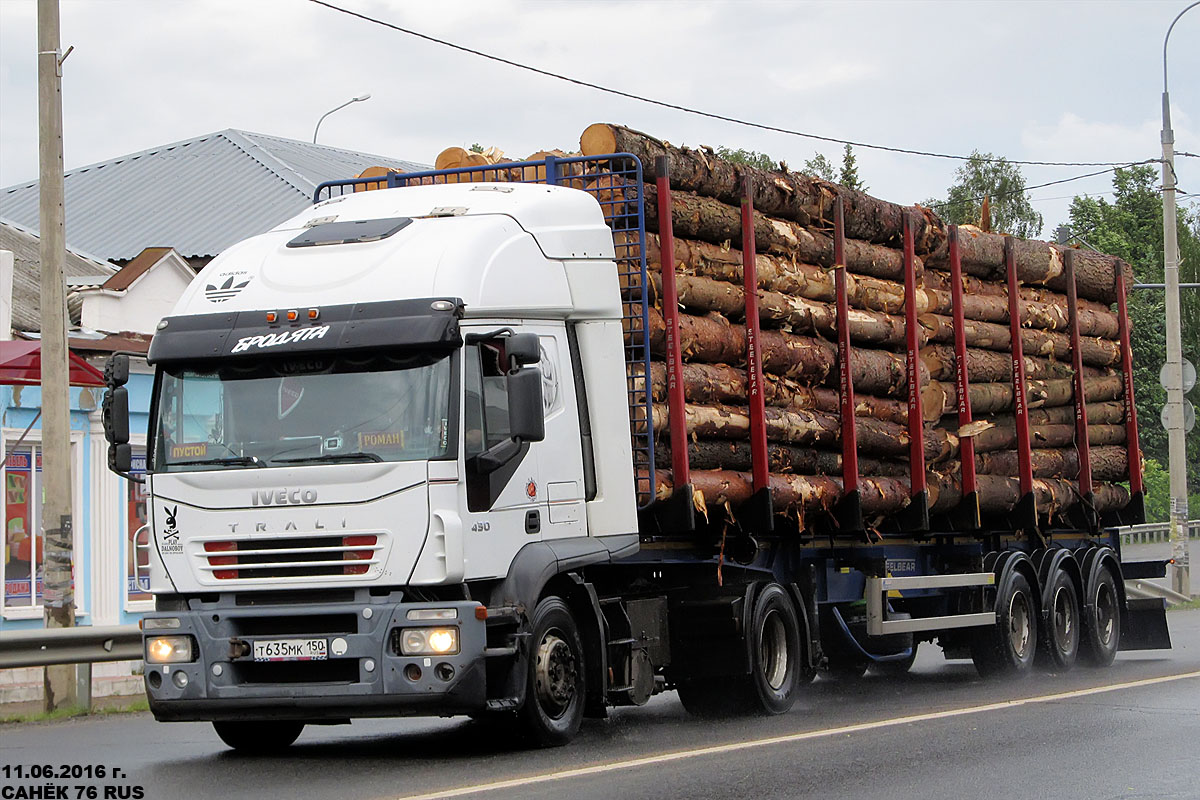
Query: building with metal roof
{"points": [[197, 196]]}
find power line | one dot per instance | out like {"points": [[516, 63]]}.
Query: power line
{"points": [[708, 114], [979, 199]]}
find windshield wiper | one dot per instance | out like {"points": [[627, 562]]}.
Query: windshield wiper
{"points": [[249, 461], [328, 457]]}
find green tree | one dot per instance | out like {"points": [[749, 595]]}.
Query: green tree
{"points": [[1131, 227], [749, 157], [476, 148], [819, 167], [849, 176], [984, 175]]}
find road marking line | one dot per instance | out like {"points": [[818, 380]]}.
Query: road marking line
{"points": [[680, 755]]}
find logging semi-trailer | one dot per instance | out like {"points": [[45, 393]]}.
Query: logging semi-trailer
{"points": [[531, 440]]}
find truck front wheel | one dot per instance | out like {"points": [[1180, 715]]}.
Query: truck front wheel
{"points": [[554, 690], [259, 736]]}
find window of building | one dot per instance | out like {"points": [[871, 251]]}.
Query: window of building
{"points": [[137, 536], [22, 528]]}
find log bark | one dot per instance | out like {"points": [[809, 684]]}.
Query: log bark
{"points": [[1040, 309], [1048, 344], [1004, 436], [989, 398], [1109, 463], [694, 216], [1038, 263], [987, 366], [793, 196], [715, 340], [998, 495], [812, 428], [721, 384], [800, 315], [781, 458]]}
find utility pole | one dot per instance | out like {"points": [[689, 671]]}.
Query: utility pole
{"points": [[1176, 443], [58, 598]]}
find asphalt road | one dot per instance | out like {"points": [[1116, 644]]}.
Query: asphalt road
{"points": [[940, 732]]}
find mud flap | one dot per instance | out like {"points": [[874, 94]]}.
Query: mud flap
{"points": [[1145, 625]]}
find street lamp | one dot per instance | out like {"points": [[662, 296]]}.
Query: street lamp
{"points": [[358, 99], [1176, 448]]}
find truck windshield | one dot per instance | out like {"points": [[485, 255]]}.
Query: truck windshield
{"points": [[303, 410]]}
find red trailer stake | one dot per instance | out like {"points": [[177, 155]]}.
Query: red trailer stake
{"points": [[1086, 517], [1025, 512], [754, 376], [916, 515], [850, 508], [968, 510]]}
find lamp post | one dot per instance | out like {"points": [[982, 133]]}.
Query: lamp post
{"points": [[358, 99], [1176, 447]]}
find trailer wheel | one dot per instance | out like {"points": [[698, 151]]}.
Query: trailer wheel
{"points": [[1059, 645], [1007, 648], [1101, 620], [554, 689], [266, 736]]}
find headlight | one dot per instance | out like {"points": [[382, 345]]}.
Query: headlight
{"points": [[429, 641], [169, 650]]}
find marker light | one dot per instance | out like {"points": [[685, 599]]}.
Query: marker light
{"points": [[169, 650], [159, 623], [313, 313], [432, 613], [272, 316], [292, 316]]}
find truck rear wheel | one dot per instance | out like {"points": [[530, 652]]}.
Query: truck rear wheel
{"points": [[264, 736], [1007, 648], [1101, 620], [554, 689], [775, 665], [1059, 644]]}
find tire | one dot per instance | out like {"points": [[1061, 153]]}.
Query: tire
{"points": [[1007, 648], [895, 668], [775, 654], [554, 687], [1101, 621], [1058, 646], [266, 736], [776, 666]]}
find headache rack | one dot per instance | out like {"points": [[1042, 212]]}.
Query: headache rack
{"points": [[616, 182]]}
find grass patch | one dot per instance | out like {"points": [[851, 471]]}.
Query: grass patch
{"points": [[1191, 604], [135, 705]]}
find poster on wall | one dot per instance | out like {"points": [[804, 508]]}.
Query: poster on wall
{"points": [[137, 539], [22, 536]]}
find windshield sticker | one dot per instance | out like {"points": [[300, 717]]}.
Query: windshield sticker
{"points": [[283, 337], [219, 293], [189, 450], [383, 439], [290, 392]]}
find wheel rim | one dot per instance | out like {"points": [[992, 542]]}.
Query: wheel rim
{"points": [[1064, 620], [774, 650], [1105, 614], [1019, 624], [555, 675]]}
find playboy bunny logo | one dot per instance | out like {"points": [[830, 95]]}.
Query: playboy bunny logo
{"points": [[170, 539]]}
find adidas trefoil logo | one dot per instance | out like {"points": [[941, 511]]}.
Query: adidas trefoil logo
{"points": [[219, 294]]}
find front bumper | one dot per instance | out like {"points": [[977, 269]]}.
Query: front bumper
{"points": [[362, 676]]}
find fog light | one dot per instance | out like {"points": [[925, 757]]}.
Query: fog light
{"points": [[180, 678], [444, 671], [169, 649], [412, 672], [154, 679]]}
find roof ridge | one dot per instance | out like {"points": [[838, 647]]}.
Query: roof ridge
{"points": [[254, 150]]}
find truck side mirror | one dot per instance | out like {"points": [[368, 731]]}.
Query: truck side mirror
{"points": [[120, 458], [526, 420], [116, 370], [114, 413], [523, 349]]}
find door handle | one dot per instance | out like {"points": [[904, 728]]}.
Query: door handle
{"points": [[533, 522]]}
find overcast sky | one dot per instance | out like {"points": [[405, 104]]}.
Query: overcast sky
{"points": [[1037, 81]]}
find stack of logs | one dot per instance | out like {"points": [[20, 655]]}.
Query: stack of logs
{"points": [[793, 234]]}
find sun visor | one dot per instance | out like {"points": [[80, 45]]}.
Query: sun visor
{"points": [[422, 324]]}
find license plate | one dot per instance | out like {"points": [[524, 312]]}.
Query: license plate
{"points": [[292, 650]]}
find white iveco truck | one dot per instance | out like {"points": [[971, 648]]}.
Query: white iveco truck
{"points": [[399, 463]]}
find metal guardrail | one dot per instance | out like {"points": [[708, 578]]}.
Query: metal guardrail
{"points": [[1154, 532], [86, 644]]}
